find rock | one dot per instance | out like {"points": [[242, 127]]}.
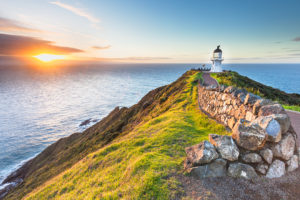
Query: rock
{"points": [[230, 89], [251, 158], [231, 122], [225, 146], [259, 103], [240, 170], [276, 169], [211, 87], [215, 169], [267, 154], [293, 163], [285, 148], [222, 88], [249, 116], [239, 91], [85, 122], [242, 96], [201, 153], [187, 164], [262, 168], [224, 97], [270, 109], [249, 136], [270, 126], [283, 120], [251, 99]]}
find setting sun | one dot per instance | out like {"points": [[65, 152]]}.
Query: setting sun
{"points": [[49, 57]]}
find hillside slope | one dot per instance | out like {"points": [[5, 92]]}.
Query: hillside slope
{"points": [[134, 152]]}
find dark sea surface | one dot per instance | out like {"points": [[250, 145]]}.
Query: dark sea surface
{"points": [[37, 107]]}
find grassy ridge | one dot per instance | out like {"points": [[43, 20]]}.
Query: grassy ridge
{"points": [[142, 164], [289, 101]]}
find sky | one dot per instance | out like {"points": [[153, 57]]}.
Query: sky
{"points": [[153, 31]]}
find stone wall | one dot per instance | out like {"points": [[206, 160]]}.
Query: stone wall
{"points": [[263, 142]]}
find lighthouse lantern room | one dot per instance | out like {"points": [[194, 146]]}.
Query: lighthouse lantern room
{"points": [[217, 60]]}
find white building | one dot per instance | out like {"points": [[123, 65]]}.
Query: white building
{"points": [[217, 60]]}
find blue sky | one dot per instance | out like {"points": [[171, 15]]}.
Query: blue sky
{"points": [[162, 31]]}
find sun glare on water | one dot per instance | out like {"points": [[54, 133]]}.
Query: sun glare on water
{"points": [[49, 57]]}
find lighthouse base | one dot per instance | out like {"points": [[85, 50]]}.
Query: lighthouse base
{"points": [[216, 66]]}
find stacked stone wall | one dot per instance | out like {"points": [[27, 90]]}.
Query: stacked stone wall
{"points": [[263, 142]]}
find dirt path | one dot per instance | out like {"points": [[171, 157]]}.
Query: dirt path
{"points": [[208, 80], [295, 120]]}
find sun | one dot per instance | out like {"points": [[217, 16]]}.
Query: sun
{"points": [[49, 57]]}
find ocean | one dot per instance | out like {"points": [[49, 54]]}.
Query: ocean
{"points": [[37, 107]]}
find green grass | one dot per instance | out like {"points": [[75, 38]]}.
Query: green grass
{"points": [[144, 163], [294, 108]]}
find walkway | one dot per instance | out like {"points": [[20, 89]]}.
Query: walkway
{"points": [[295, 120], [208, 80]]}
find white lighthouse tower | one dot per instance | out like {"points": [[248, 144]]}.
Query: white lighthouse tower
{"points": [[217, 60]]}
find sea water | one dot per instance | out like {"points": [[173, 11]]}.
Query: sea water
{"points": [[37, 107]]}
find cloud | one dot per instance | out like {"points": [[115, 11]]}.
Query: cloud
{"points": [[12, 25], [144, 58], [296, 39], [28, 46], [101, 47], [76, 11]]}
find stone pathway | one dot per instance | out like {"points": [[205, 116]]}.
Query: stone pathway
{"points": [[295, 120], [208, 80]]}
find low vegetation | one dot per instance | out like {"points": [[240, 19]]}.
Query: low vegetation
{"points": [[133, 153], [289, 101], [141, 161]]}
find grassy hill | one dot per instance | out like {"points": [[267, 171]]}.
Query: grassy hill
{"points": [[133, 153]]}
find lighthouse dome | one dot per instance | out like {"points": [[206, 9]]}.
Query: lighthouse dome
{"points": [[218, 50]]}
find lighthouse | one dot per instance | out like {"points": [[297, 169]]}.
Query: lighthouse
{"points": [[217, 60]]}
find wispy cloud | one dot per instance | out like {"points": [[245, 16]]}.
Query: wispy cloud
{"points": [[12, 25], [77, 11], [23, 45], [143, 58], [101, 47], [296, 39]]}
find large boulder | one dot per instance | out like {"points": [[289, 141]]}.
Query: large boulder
{"points": [[201, 153], [251, 99], [285, 148], [240, 170], [267, 155], [262, 168], [217, 168], [293, 163], [225, 146], [249, 136], [270, 109], [259, 103], [251, 158], [270, 126], [276, 169], [283, 120]]}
